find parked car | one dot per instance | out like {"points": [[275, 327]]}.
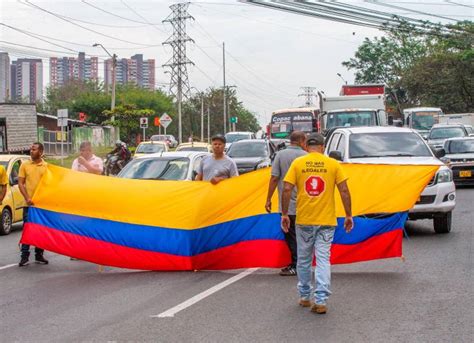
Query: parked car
{"points": [[12, 205], [460, 157], [439, 133], [235, 136], [394, 145], [182, 165], [194, 146], [169, 139], [252, 154], [150, 147]]}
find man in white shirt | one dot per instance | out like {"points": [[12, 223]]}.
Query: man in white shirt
{"points": [[87, 162]]}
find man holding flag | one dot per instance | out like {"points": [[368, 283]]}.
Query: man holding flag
{"points": [[315, 176]]}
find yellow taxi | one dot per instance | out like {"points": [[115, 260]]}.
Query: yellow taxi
{"points": [[150, 147], [195, 146], [12, 205]]}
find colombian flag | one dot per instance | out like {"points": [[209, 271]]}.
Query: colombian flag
{"points": [[180, 225]]}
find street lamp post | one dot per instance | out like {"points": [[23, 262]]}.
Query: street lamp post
{"points": [[339, 74], [114, 65]]}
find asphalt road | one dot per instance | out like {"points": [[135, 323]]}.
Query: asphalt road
{"points": [[427, 298]]}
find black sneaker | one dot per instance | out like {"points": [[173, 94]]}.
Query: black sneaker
{"points": [[40, 259], [23, 262], [288, 271]]}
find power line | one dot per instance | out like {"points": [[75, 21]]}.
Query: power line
{"points": [[28, 3], [408, 9], [138, 14], [113, 14]]}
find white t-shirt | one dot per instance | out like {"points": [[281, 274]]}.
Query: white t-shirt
{"points": [[95, 161]]}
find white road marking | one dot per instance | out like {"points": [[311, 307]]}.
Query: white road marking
{"points": [[8, 266], [178, 308]]}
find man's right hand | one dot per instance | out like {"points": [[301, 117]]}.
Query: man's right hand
{"points": [[348, 224], [285, 223], [268, 206], [29, 202]]}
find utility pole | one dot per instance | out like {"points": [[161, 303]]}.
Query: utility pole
{"points": [[179, 83], [309, 94], [202, 117], [114, 66], [224, 90], [208, 125]]}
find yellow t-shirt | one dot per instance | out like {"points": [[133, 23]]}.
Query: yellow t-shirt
{"points": [[3, 176], [32, 173], [315, 176]]}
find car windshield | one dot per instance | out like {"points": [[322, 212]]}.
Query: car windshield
{"points": [[248, 149], [150, 148], [234, 137], [446, 132], [347, 119], [193, 148], [460, 146], [157, 169], [387, 144], [305, 126], [423, 120]]}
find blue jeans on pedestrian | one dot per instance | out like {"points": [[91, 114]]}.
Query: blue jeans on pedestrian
{"points": [[25, 248], [315, 239]]}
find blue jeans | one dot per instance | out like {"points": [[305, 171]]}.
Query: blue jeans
{"points": [[25, 248], [317, 239]]}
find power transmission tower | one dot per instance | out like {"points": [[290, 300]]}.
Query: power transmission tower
{"points": [[309, 94], [179, 82]]}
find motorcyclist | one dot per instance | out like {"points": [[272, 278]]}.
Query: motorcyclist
{"points": [[122, 152]]}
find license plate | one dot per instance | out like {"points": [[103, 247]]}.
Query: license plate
{"points": [[465, 173]]}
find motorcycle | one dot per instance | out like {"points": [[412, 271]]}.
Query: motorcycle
{"points": [[111, 167]]}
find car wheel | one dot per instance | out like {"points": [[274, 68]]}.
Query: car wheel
{"points": [[6, 222], [442, 223]]}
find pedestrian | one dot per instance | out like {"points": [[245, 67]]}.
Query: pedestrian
{"points": [[218, 166], [29, 177], [280, 166], [3, 183], [87, 162], [315, 177]]}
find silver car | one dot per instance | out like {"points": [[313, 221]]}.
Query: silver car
{"points": [[182, 165], [460, 157], [392, 145]]}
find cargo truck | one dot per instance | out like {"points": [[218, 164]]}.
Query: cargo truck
{"points": [[352, 110]]}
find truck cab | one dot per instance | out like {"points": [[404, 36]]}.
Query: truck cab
{"points": [[352, 110]]}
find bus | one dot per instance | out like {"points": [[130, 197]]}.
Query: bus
{"points": [[285, 121]]}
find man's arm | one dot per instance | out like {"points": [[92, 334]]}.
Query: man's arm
{"points": [[346, 201], [3, 192], [198, 177], [91, 168], [22, 187], [285, 203], [272, 185]]}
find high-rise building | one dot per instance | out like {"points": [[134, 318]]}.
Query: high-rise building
{"points": [[64, 69], [131, 70], [5, 93], [27, 80]]}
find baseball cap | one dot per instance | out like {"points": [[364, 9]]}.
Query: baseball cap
{"points": [[315, 139], [218, 137]]}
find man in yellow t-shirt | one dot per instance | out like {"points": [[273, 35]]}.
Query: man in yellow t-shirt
{"points": [[315, 176], [29, 177]]}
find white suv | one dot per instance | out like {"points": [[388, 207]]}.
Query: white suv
{"points": [[392, 145]]}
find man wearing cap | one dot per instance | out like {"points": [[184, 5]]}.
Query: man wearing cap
{"points": [[315, 176], [218, 166], [280, 166]]}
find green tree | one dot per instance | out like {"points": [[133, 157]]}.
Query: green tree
{"points": [[421, 67], [127, 118]]}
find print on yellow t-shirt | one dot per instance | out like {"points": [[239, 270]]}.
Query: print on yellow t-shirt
{"points": [[315, 176]]}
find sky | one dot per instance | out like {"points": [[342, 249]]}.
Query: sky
{"points": [[269, 54]]}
